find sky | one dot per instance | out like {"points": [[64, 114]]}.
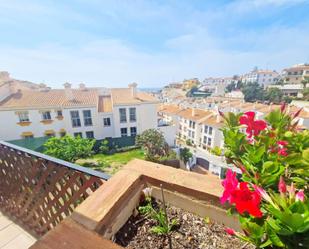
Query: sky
{"points": [[113, 43]]}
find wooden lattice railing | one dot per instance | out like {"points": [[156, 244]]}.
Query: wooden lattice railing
{"points": [[39, 191]]}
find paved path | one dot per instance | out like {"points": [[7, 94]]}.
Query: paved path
{"points": [[13, 236]]}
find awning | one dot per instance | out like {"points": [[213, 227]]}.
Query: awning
{"points": [[62, 130], [27, 134], [49, 132]]}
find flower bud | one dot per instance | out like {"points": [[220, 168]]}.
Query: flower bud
{"points": [[282, 186], [230, 231], [300, 196]]}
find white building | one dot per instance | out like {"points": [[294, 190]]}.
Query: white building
{"points": [[87, 112], [262, 77]]}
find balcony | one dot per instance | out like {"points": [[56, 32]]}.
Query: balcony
{"points": [[62, 205], [37, 192]]}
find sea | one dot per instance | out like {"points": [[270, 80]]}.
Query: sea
{"points": [[150, 89]]}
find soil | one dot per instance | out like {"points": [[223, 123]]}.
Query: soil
{"points": [[192, 231]]}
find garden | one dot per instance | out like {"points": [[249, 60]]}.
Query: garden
{"points": [[109, 157]]}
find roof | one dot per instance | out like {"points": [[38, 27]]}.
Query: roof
{"points": [[169, 109], [52, 98], [105, 104], [296, 68], [121, 96], [198, 114], [212, 121]]}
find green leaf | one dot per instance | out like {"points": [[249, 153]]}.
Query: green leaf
{"points": [[294, 221], [274, 238], [270, 167], [305, 154]]}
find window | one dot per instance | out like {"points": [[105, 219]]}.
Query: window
{"points": [[23, 117], [204, 140], [190, 123], [107, 121], [59, 113], [189, 133], [210, 130], [133, 131], [89, 134], [132, 114], [193, 125], [209, 141], [193, 134], [78, 134], [75, 118], [46, 115], [124, 132], [206, 129], [87, 118], [123, 115]]}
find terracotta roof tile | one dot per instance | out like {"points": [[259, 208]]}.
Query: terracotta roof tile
{"points": [[124, 96], [198, 115], [52, 98], [169, 109]]}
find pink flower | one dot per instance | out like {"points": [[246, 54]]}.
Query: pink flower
{"points": [[282, 143], [254, 127], [283, 152], [282, 185], [300, 196], [230, 231], [230, 183]]}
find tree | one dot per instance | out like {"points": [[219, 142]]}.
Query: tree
{"points": [[253, 92], [231, 87], [69, 148], [154, 145], [185, 155], [306, 94], [274, 95]]}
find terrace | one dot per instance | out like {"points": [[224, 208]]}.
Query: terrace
{"points": [[56, 204]]}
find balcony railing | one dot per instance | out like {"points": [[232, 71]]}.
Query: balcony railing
{"points": [[38, 191]]}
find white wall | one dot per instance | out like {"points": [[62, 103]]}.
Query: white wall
{"points": [[105, 131], [10, 130], [146, 118], [68, 122], [169, 133]]}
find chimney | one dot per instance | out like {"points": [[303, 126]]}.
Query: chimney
{"points": [[133, 87], [193, 112], [218, 118], [43, 87], [68, 91], [82, 87]]}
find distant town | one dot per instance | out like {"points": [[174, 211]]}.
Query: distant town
{"points": [[187, 113]]}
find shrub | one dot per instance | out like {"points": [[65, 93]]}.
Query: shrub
{"points": [[216, 151], [104, 147], [272, 197], [153, 143], [69, 148], [185, 155]]}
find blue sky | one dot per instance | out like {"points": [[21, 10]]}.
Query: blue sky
{"points": [[113, 43]]}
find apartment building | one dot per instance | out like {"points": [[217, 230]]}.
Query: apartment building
{"points": [[86, 112], [295, 74], [262, 77]]}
